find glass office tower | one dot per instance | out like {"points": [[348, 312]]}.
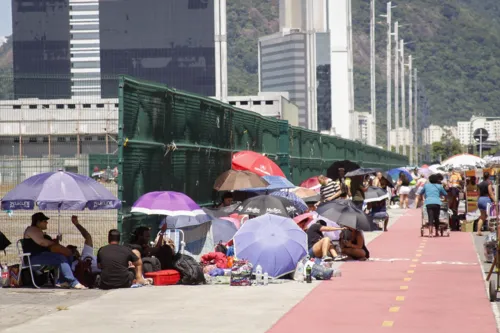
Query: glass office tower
{"points": [[167, 41], [41, 49]]}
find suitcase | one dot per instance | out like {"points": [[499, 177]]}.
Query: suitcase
{"points": [[164, 278]]}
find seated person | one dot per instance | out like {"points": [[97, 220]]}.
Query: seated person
{"points": [[378, 210], [88, 248], [352, 244], [227, 200], [115, 262], [45, 251], [163, 249], [320, 246]]}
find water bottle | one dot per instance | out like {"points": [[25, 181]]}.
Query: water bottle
{"points": [[5, 276], [266, 279], [337, 273], [299, 272], [258, 275]]}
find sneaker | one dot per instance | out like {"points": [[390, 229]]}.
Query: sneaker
{"points": [[326, 258], [340, 257], [64, 285]]}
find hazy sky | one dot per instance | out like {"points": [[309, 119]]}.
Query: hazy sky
{"points": [[5, 18]]}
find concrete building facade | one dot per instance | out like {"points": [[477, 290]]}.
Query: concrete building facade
{"points": [[434, 133]]}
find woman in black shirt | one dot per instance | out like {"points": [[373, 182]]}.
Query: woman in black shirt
{"points": [[486, 197]]}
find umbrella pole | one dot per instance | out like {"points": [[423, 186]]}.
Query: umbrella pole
{"points": [[59, 224]]}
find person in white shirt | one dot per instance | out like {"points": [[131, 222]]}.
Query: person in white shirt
{"points": [[88, 247]]}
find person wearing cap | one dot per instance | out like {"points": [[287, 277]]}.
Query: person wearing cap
{"points": [[46, 251]]}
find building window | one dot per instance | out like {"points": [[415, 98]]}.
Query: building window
{"points": [[232, 103], [269, 102], [32, 140], [256, 102], [86, 106], [71, 106], [88, 138], [60, 106], [61, 139], [45, 139], [33, 106], [16, 106], [45, 106], [117, 105], [16, 140], [101, 138], [244, 103], [99, 105], [72, 138]]}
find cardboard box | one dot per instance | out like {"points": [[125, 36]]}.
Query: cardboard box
{"points": [[467, 226]]}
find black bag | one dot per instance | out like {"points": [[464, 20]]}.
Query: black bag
{"points": [[191, 271], [4, 242], [151, 264]]}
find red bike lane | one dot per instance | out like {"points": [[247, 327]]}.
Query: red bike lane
{"points": [[431, 285]]}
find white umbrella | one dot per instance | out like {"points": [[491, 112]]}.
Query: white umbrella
{"points": [[436, 168], [464, 161], [493, 160]]}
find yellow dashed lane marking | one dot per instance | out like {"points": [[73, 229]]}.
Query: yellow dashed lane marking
{"points": [[410, 271], [394, 309], [419, 250], [403, 288], [418, 255], [387, 323], [414, 260], [413, 265], [407, 279], [400, 298]]}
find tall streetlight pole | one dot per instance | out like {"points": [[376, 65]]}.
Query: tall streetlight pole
{"points": [[417, 134], [396, 84], [410, 106], [373, 100], [403, 91], [388, 16]]}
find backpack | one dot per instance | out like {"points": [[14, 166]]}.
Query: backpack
{"points": [[151, 264], [320, 272], [190, 270], [83, 273], [4, 242]]}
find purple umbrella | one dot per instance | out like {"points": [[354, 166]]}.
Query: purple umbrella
{"points": [[166, 203], [60, 190], [274, 242]]}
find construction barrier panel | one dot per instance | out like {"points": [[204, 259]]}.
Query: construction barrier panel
{"points": [[171, 140]]}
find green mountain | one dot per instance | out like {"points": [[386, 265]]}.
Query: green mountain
{"points": [[455, 44]]}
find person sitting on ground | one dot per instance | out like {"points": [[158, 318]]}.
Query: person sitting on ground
{"points": [[353, 245], [320, 246], [120, 266], [87, 253], [45, 251], [378, 211], [227, 200], [163, 249]]}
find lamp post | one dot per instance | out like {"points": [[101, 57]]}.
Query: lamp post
{"points": [[396, 84], [373, 99]]}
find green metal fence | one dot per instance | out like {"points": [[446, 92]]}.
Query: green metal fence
{"points": [[173, 140]]}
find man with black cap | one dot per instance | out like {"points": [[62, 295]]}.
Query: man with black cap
{"points": [[45, 251]]}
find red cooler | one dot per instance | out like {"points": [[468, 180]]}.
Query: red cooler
{"points": [[164, 278]]}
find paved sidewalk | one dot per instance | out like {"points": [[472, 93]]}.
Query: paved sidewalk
{"points": [[175, 308], [436, 285]]}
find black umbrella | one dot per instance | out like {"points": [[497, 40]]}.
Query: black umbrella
{"points": [[333, 170], [221, 212], [388, 178], [268, 204], [362, 172], [374, 194], [344, 213]]}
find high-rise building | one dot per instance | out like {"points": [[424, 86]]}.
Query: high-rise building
{"points": [[309, 59], [75, 48]]}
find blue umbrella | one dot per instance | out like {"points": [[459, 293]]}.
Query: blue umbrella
{"points": [[60, 190], [274, 242], [293, 198], [183, 221], [394, 173], [223, 230]]}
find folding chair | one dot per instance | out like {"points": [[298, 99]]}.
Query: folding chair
{"points": [[177, 235], [25, 263]]}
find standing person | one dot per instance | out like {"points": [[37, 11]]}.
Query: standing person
{"points": [[378, 180], [486, 197], [358, 189], [403, 190], [330, 190], [45, 251], [320, 246], [455, 184], [433, 191], [418, 194], [115, 261]]}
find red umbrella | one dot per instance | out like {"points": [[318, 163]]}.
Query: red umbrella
{"points": [[311, 183], [256, 163], [425, 166]]}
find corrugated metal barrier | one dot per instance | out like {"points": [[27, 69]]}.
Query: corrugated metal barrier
{"points": [[173, 140]]}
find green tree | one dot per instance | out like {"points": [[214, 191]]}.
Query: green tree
{"points": [[447, 147]]}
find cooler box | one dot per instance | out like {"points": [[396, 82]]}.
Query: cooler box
{"points": [[164, 278]]}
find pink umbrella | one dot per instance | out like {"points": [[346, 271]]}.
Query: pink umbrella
{"points": [[235, 221], [303, 220]]}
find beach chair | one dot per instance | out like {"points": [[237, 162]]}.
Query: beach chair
{"points": [[177, 235], [34, 270]]}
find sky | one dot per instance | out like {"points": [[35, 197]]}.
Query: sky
{"points": [[5, 18]]}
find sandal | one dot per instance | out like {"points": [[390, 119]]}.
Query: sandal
{"points": [[79, 286]]}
